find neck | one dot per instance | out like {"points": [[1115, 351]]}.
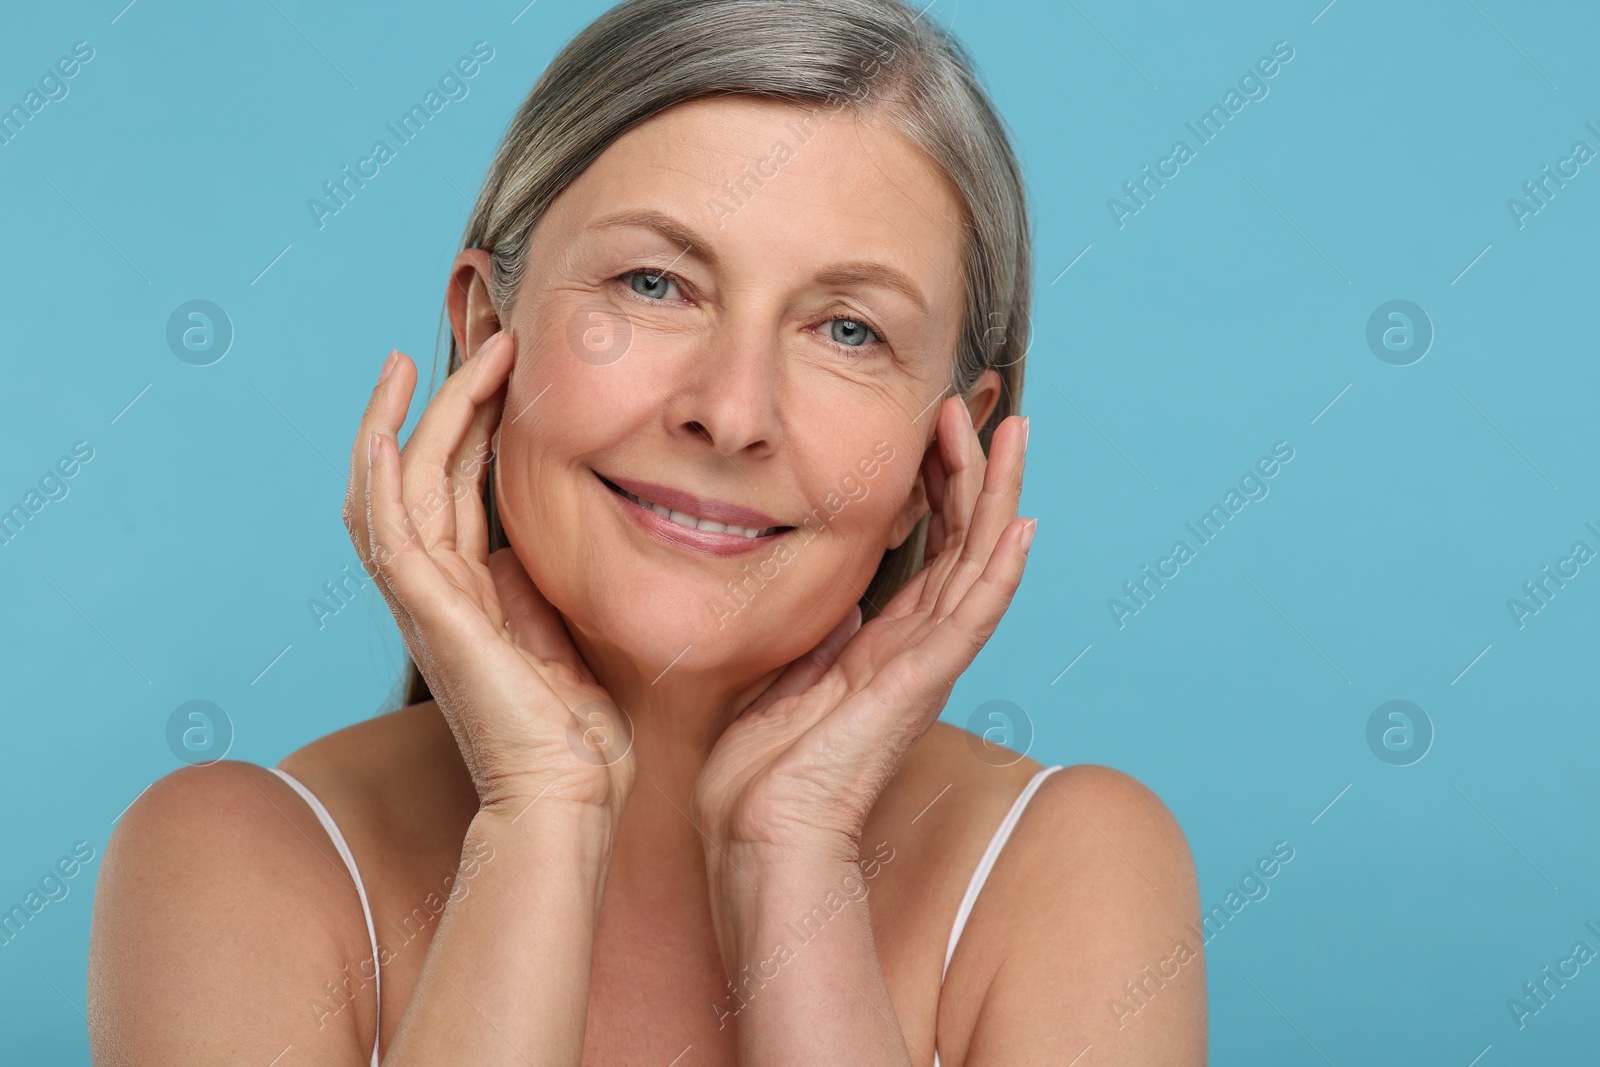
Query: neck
{"points": [[677, 713]]}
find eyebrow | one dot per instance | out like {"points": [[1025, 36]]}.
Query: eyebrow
{"points": [[855, 272]]}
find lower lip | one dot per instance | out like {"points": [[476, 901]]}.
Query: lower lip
{"points": [[705, 542]]}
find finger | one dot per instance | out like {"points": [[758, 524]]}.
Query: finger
{"points": [[386, 411], [804, 672], [966, 628], [926, 671], [469, 469], [530, 619], [963, 461], [933, 485], [393, 544], [426, 489], [994, 509]]}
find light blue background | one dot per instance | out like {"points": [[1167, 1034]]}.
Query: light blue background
{"points": [[1225, 316]]}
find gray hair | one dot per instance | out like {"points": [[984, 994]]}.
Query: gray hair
{"points": [[876, 57]]}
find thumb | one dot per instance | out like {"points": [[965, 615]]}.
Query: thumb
{"points": [[803, 673]]}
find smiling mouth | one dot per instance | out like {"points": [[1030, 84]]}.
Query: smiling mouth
{"points": [[693, 522]]}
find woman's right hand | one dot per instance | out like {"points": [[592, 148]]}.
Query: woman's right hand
{"points": [[532, 723]]}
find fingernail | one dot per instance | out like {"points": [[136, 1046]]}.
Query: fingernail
{"points": [[388, 365], [494, 338], [372, 447], [968, 412], [1025, 429], [1027, 535]]}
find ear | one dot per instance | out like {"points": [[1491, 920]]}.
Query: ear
{"points": [[916, 506], [981, 403], [473, 316], [984, 396]]}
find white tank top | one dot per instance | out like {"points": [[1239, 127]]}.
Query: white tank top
{"points": [[974, 886]]}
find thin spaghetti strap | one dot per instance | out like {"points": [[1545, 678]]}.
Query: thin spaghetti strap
{"points": [[1002, 834], [981, 875], [355, 876]]}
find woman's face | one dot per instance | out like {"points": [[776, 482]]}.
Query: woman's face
{"points": [[742, 313]]}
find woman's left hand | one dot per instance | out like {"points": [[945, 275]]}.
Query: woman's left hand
{"points": [[795, 776]]}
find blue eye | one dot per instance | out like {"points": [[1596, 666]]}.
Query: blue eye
{"points": [[655, 286], [852, 333]]}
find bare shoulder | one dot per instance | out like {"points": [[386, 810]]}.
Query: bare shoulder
{"points": [[214, 889], [224, 904], [396, 782], [1089, 932]]}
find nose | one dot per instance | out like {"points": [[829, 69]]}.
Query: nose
{"points": [[727, 389]]}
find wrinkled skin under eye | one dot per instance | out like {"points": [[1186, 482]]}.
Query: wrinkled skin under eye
{"points": [[844, 332]]}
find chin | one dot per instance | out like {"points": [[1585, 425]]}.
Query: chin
{"points": [[673, 581]]}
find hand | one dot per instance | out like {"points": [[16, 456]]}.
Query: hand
{"points": [[798, 772], [524, 707]]}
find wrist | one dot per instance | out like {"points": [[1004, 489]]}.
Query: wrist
{"points": [[574, 832], [764, 896]]}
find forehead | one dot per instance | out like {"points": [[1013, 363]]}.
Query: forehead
{"points": [[746, 171]]}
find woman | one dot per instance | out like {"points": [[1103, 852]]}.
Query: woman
{"points": [[737, 318]]}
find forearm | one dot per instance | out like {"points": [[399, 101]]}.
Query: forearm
{"points": [[808, 986], [506, 980]]}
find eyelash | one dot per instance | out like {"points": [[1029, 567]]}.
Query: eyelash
{"points": [[626, 277]]}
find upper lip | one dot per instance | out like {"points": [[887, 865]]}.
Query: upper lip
{"points": [[699, 507]]}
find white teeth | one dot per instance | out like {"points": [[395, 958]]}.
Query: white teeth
{"points": [[690, 522]]}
